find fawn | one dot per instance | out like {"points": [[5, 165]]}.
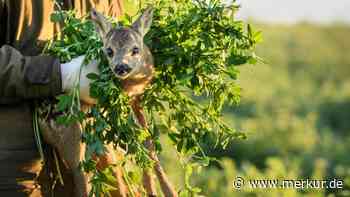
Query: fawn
{"points": [[129, 58]]}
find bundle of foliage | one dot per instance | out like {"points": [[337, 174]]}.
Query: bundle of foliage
{"points": [[197, 46]]}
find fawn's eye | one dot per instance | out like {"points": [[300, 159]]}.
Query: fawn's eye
{"points": [[109, 52], [135, 51]]}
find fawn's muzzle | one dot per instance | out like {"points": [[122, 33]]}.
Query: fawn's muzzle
{"points": [[122, 69]]}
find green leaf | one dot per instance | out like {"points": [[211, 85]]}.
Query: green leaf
{"points": [[92, 76], [232, 72], [57, 17], [64, 102]]}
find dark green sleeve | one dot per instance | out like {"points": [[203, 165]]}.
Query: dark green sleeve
{"points": [[23, 77]]}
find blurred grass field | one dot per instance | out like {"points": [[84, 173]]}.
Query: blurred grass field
{"points": [[295, 110]]}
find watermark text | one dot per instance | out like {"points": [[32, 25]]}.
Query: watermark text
{"points": [[240, 183]]}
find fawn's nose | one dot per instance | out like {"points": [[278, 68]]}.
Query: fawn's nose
{"points": [[122, 69]]}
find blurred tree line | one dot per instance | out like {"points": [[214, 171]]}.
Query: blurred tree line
{"points": [[295, 110]]}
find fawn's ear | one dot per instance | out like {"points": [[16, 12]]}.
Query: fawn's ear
{"points": [[143, 23], [102, 25]]}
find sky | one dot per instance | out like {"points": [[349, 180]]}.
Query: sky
{"points": [[292, 11]]}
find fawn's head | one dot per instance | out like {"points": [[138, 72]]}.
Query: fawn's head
{"points": [[124, 47]]}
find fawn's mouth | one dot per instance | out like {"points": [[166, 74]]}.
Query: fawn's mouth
{"points": [[122, 70]]}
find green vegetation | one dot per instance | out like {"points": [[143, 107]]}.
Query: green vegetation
{"points": [[295, 111], [197, 47]]}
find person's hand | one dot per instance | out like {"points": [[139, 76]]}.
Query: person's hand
{"points": [[70, 77]]}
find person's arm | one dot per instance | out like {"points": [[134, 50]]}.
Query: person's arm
{"points": [[25, 77]]}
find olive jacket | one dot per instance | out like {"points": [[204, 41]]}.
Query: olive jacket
{"points": [[25, 75]]}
